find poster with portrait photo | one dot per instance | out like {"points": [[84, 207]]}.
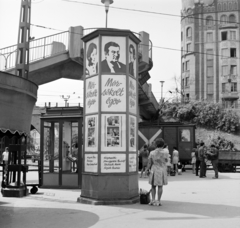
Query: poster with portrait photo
{"points": [[132, 61], [113, 59], [92, 57], [113, 132], [132, 133], [91, 133]]}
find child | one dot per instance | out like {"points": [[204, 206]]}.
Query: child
{"points": [[179, 165]]}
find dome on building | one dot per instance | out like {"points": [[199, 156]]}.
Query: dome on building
{"points": [[190, 3]]}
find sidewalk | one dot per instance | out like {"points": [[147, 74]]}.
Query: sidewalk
{"points": [[187, 201]]}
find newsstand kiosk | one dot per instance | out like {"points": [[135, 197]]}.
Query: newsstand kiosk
{"points": [[110, 118]]}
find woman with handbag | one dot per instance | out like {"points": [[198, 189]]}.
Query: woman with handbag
{"points": [[158, 173]]}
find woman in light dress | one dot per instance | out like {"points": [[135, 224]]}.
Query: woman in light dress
{"points": [[193, 155], [175, 159], [158, 173]]}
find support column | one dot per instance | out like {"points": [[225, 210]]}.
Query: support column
{"points": [[110, 174]]}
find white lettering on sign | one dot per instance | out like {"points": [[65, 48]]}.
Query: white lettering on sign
{"points": [[92, 95], [132, 96], [113, 93], [132, 162], [91, 163], [113, 163]]}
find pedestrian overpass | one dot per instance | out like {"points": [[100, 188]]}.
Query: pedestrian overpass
{"points": [[61, 56]]}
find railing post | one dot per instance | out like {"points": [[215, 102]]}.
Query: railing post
{"points": [[44, 47]]}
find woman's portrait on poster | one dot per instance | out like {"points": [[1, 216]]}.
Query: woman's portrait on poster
{"points": [[92, 60], [132, 60]]}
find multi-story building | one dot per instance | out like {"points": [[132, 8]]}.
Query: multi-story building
{"points": [[210, 46]]}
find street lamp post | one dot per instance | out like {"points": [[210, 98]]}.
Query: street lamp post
{"points": [[161, 90], [107, 3]]}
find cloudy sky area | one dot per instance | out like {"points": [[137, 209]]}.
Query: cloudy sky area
{"points": [[59, 15]]}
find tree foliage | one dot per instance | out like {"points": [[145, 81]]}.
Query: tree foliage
{"points": [[203, 113]]}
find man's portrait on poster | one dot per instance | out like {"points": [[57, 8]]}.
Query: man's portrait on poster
{"points": [[132, 58], [111, 63], [92, 60]]}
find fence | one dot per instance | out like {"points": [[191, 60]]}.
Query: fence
{"points": [[39, 49]]}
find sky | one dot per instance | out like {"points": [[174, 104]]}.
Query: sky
{"points": [[58, 15]]}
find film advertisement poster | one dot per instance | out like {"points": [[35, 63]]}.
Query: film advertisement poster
{"points": [[132, 96], [113, 163], [91, 163], [113, 132], [132, 58], [91, 135], [132, 133], [113, 93], [113, 58], [132, 163], [92, 57], [91, 95]]}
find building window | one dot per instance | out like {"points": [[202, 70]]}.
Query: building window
{"points": [[209, 37], [187, 81], [210, 97], [233, 52], [181, 36], [233, 87], [210, 88], [183, 83], [233, 70], [224, 53], [225, 70], [223, 87], [189, 32], [232, 35], [232, 19], [224, 35], [183, 67], [209, 21], [210, 63], [223, 19], [189, 47], [187, 65]]}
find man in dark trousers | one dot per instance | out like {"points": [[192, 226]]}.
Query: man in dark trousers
{"points": [[201, 155], [197, 159], [213, 156]]}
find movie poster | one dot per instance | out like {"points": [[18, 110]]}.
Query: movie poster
{"points": [[132, 55], [92, 57], [113, 132], [113, 55], [132, 133], [113, 93], [91, 133], [132, 96], [132, 163], [91, 96]]}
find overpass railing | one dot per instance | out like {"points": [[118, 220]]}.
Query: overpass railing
{"points": [[39, 49]]}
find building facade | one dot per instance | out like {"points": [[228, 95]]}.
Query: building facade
{"points": [[211, 51]]}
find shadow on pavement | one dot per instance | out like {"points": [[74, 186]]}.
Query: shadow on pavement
{"points": [[21, 217], [190, 209]]}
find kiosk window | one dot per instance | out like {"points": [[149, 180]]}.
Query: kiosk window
{"points": [[185, 135]]}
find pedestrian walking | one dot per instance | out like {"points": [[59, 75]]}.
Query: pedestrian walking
{"points": [[168, 164], [5, 155], [213, 156], [144, 157], [193, 161], [175, 159], [197, 160], [202, 157], [158, 175]]}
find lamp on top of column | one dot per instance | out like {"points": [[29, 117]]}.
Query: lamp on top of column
{"points": [[107, 3]]}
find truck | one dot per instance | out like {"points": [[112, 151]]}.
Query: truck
{"points": [[182, 136], [175, 134]]}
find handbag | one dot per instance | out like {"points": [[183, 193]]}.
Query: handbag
{"points": [[144, 196]]}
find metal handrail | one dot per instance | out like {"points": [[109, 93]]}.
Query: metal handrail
{"points": [[39, 49]]}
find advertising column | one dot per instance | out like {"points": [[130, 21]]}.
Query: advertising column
{"points": [[110, 174]]}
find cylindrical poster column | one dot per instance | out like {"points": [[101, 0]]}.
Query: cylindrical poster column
{"points": [[110, 174]]}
